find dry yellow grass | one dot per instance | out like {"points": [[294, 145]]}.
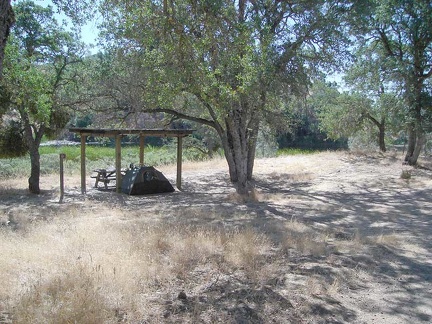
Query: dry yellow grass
{"points": [[92, 268], [87, 269]]}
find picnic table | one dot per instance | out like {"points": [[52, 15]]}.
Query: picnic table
{"points": [[105, 176]]}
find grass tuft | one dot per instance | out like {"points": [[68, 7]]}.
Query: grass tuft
{"points": [[254, 196], [406, 174], [72, 297]]}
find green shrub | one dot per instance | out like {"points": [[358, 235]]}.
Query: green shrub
{"points": [[14, 167], [96, 157], [11, 140]]}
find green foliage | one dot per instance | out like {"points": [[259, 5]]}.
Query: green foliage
{"points": [[36, 57], [304, 130], [83, 121], [153, 155], [4, 100], [79, 11], [369, 76], [14, 167], [340, 114], [27, 85], [395, 41], [11, 140], [364, 140], [393, 65], [59, 118]]}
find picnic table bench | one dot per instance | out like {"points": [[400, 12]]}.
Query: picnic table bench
{"points": [[105, 176]]}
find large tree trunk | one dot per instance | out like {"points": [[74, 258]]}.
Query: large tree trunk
{"points": [[253, 130], [381, 138], [7, 19], [239, 144], [34, 179], [419, 141], [33, 137], [411, 143], [416, 135]]}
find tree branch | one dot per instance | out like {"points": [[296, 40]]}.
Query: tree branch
{"points": [[387, 45], [212, 113], [182, 116], [373, 120]]}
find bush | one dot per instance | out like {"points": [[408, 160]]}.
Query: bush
{"points": [[12, 140]]}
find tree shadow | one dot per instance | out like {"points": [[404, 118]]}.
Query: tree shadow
{"points": [[242, 302], [374, 211]]}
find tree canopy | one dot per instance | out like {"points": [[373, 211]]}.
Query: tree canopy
{"points": [[7, 19]]}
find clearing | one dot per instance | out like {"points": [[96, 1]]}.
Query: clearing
{"points": [[331, 238]]}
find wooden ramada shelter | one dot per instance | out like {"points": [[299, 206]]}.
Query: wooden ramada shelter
{"points": [[117, 134]]}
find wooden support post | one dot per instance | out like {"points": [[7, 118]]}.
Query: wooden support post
{"points": [[179, 161], [62, 157], [83, 164], [141, 153], [118, 162]]}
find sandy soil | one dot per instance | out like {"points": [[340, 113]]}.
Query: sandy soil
{"points": [[376, 225]]}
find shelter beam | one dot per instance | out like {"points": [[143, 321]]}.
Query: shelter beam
{"points": [[83, 164], [141, 153], [118, 162], [179, 161]]}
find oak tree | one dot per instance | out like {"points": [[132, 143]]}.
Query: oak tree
{"points": [[402, 30], [236, 61], [38, 58]]}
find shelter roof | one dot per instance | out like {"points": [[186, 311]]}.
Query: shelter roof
{"points": [[112, 132]]}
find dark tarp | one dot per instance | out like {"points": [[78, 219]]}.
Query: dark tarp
{"points": [[145, 180]]}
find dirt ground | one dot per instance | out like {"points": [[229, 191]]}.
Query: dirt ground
{"points": [[374, 214]]}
